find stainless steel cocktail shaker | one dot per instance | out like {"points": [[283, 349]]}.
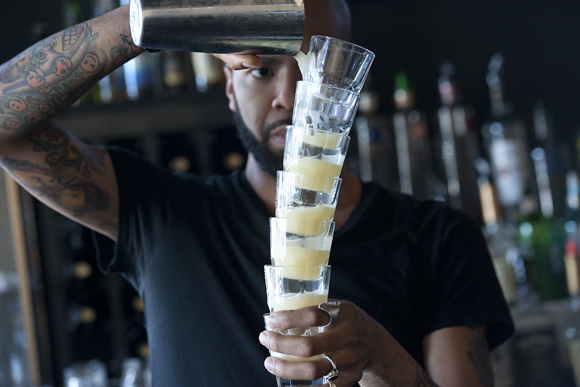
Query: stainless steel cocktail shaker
{"points": [[272, 27]]}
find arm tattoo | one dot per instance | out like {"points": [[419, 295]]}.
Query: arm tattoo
{"points": [[478, 354], [57, 60], [78, 197], [50, 76], [63, 181], [62, 153]]}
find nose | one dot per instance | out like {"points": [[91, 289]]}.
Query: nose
{"points": [[286, 89]]}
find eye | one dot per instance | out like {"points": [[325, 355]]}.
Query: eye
{"points": [[261, 72]]}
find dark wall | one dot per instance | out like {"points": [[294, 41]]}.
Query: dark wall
{"points": [[17, 19], [540, 40]]}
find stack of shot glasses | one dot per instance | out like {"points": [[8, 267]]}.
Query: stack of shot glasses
{"points": [[307, 188]]}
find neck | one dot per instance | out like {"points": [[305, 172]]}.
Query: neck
{"points": [[265, 187]]}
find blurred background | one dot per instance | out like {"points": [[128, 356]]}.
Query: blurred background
{"points": [[472, 103]]}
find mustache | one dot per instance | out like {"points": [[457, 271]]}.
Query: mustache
{"points": [[270, 127]]}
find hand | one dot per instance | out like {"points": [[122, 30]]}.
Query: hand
{"points": [[351, 341], [241, 60]]}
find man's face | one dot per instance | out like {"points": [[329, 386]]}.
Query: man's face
{"points": [[262, 101]]}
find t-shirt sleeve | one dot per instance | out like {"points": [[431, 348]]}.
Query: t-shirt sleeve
{"points": [[463, 287], [143, 213]]}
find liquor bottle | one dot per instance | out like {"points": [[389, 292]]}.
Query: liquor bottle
{"points": [[139, 73], [572, 212], [414, 155], [554, 154], [459, 144], [111, 87], [506, 143], [175, 78], [208, 70], [541, 238], [373, 154], [572, 329], [501, 237], [535, 342]]}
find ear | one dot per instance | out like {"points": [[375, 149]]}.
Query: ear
{"points": [[230, 87]]}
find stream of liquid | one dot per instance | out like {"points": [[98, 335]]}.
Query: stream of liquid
{"points": [[302, 60]]}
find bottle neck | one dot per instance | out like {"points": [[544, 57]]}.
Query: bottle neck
{"points": [[543, 181], [572, 191]]}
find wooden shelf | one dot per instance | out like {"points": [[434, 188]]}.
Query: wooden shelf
{"points": [[148, 116]]}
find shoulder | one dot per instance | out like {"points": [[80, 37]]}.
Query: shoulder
{"points": [[402, 210]]}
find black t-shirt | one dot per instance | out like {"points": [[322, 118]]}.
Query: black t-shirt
{"points": [[195, 252]]}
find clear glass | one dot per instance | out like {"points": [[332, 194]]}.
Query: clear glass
{"points": [[289, 248], [86, 374], [281, 382], [136, 373], [295, 287], [308, 197], [324, 107], [338, 63], [14, 367], [314, 152]]}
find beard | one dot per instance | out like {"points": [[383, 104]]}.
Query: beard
{"points": [[270, 161]]}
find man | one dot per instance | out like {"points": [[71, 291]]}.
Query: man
{"points": [[420, 305]]}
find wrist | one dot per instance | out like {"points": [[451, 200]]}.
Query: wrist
{"points": [[388, 363]]}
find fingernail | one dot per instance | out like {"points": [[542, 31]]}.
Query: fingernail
{"points": [[271, 321], [264, 339], [269, 364], [249, 66]]}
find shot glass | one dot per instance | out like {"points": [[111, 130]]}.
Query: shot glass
{"points": [[338, 63], [287, 292], [295, 287], [324, 107], [305, 196], [289, 248], [314, 151]]}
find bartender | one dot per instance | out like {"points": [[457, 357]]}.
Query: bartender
{"points": [[419, 301]]}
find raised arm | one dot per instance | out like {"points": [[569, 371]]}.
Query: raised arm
{"points": [[71, 177]]}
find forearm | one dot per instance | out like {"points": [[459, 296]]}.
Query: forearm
{"points": [[47, 78], [392, 365], [405, 372]]}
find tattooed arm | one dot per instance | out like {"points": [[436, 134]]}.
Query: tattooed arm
{"points": [[73, 178], [454, 357], [458, 356]]}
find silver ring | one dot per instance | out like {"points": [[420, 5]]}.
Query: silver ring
{"points": [[333, 374], [331, 308]]}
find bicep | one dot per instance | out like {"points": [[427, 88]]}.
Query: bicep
{"points": [[69, 176], [458, 357]]}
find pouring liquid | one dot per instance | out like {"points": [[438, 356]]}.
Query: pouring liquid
{"points": [[302, 60]]}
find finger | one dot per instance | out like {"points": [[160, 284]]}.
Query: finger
{"points": [[349, 370], [303, 346], [298, 370], [239, 61], [310, 316]]}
